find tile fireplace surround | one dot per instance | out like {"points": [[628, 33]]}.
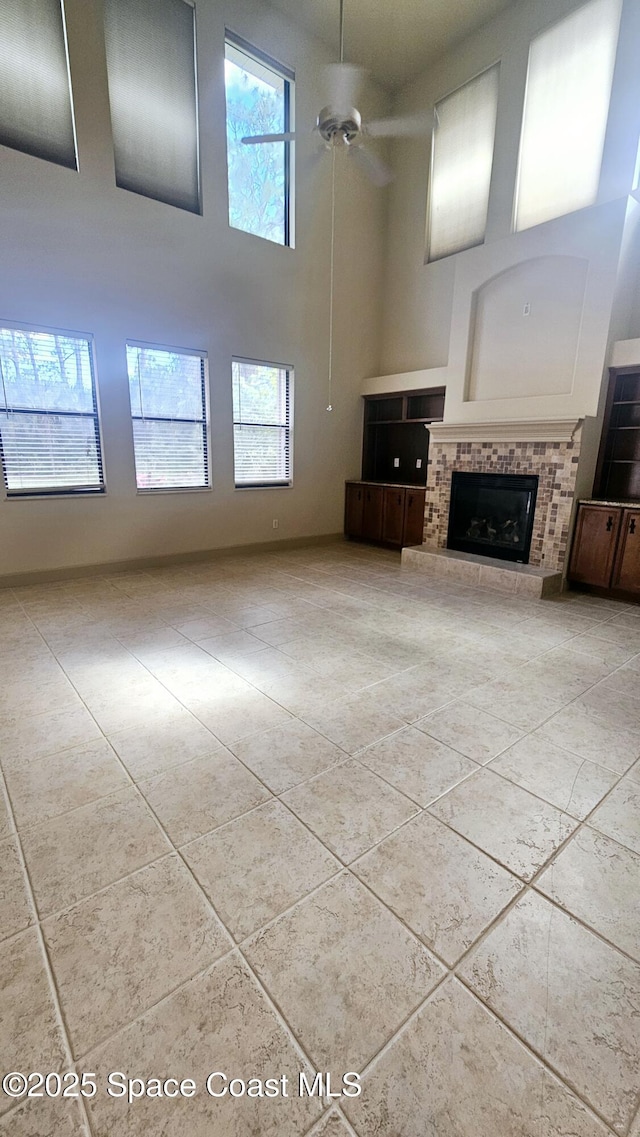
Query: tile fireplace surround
{"points": [[553, 456]]}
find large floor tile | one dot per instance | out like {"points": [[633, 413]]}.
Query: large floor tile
{"points": [[77, 853], [42, 735], [475, 733], [447, 891], [570, 996], [219, 1021], [31, 1037], [517, 702], [45, 1117], [519, 830], [287, 755], [619, 815], [354, 722], [200, 795], [344, 971], [349, 808], [41, 789], [561, 778], [15, 907], [416, 764], [169, 741], [117, 953], [598, 880], [6, 824], [577, 729], [457, 1072], [235, 716], [258, 865]]}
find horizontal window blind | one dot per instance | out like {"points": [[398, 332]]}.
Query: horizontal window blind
{"points": [[36, 115], [565, 114], [461, 164], [49, 431], [168, 407], [152, 92], [262, 418]]}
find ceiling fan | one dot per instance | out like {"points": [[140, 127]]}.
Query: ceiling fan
{"points": [[340, 124]]}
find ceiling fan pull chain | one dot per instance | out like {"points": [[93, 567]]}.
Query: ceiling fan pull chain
{"points": [[331, 272]]}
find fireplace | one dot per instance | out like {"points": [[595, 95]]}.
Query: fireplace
{"points": [[492, 514]]}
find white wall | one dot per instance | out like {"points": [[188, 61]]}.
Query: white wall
{"points": [[460, 320], [80, 254]]}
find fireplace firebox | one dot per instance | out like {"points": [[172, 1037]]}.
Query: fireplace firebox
{"points": [[492, 514]]}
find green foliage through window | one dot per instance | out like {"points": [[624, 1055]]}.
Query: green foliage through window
{"points": [[258, 102]]}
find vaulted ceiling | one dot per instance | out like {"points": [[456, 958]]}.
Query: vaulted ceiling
{"points": [[394, 39]]}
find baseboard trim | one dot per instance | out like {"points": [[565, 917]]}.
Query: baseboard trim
{"points": [[78, 572]]}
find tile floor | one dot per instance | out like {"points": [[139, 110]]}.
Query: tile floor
{"points": [[312, 811]]}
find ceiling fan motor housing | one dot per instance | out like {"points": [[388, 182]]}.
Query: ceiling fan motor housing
{"points": [[339, 127]]}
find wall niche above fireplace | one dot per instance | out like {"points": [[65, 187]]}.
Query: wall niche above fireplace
{"points": [[492, 514]]}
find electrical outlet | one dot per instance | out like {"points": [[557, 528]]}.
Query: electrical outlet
{"points": [[396, 463], [526, 311], [275, 523], [418, 463]]}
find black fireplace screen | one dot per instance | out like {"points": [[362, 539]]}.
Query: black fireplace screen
{"points": [[492, 514]]}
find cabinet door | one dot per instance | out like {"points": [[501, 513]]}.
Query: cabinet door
{"points": [[414, 518], [372, 513], [393, 516], [626, 574], [353, 509], [594, 545]]}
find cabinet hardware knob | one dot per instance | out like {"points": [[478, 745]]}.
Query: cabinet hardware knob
{"points": [[411, 499], [399, 499], [609, 523], [632, 525]]}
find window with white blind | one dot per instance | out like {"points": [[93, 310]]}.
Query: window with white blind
{"points": [[259, 94], [461, 163], [169, 410], [49, 430], [565, 113], [262, 423], [151, 66], [36, 114]]}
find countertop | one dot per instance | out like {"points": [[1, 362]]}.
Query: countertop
{"points": [[385, 485], [609, 504]]}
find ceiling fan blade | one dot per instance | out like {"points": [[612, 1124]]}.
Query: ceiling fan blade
{"points": [[402, 126], [375, 169], [343, 84], [254, 139]]}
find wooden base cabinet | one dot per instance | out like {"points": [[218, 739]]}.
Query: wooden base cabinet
{"points": [[606, 548], [393, 515], [626, 570]]}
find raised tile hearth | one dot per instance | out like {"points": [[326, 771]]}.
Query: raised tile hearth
{"points": [[484, 572]]}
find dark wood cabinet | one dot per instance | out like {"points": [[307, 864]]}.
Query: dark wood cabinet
{"points": [[594, 545], [391, 514], [372, 513], [413, 517], [606, 548], [626, 571], [353, 509]]}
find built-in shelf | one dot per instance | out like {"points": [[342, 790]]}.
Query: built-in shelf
{"points": [[618, 471], [396, 444]]}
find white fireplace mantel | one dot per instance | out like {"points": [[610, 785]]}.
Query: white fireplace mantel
{"points": [[522, 430]]}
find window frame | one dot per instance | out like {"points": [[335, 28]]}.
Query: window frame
{"points": [[56, 491], [205, 422], [555, 23], [289, 371], [428, 259], [288, 76]]}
